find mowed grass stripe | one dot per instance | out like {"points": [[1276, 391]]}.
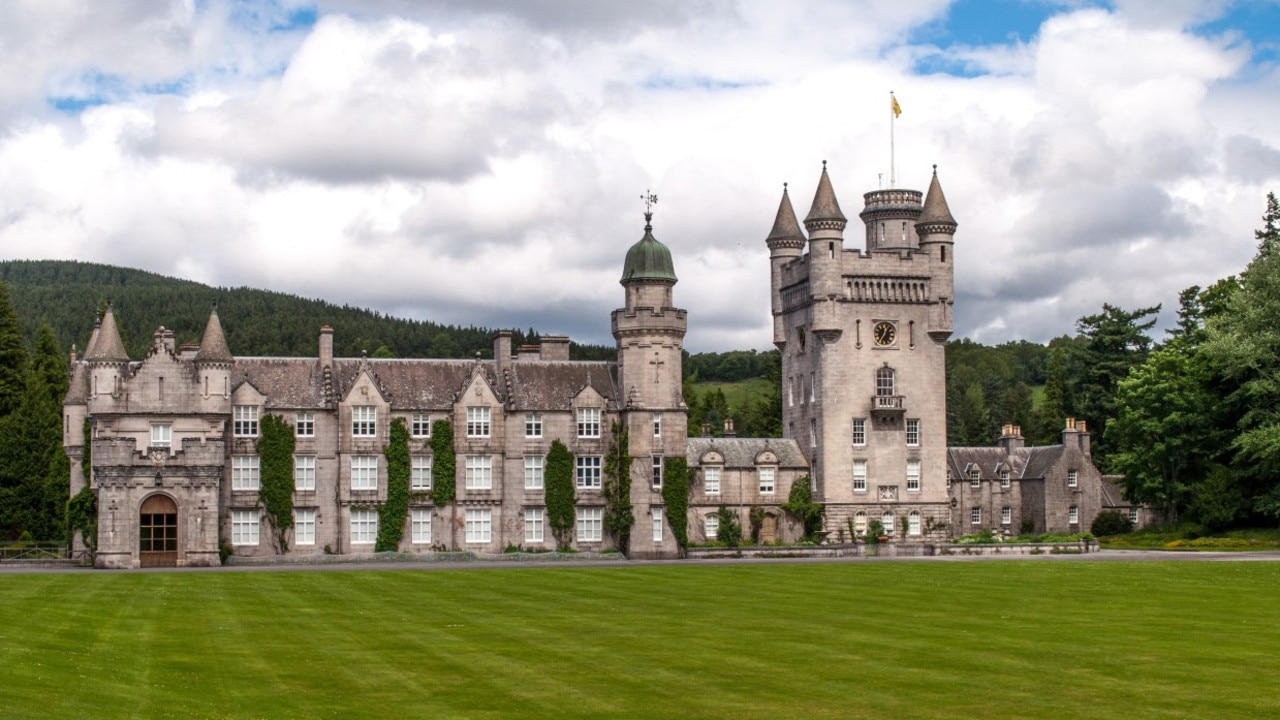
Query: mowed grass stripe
{"points": [[1005, 639]]}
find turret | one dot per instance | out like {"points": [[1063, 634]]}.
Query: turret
{"points": [[890, 217], [107, 359], [214, 360], [936, 229], [825, 224], [786, 244]]}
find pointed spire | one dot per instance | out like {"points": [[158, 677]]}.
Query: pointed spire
{"points": [[213, 344], [936, 215], [825, 209], [90, 346], [785, 226], [107, 346]]}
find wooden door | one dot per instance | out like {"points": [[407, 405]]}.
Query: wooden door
{"points": [[158, 532], [769, 533]]}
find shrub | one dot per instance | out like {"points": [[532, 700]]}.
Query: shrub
{"points": [[1111, 522], [801, 506], [730, 532]]}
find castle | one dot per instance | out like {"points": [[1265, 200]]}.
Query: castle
{"points": [[172, 443]]}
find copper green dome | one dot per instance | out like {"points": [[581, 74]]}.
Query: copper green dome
{"points": [[648, 259]]}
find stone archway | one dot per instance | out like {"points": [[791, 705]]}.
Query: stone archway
{"points": [[769, 531], [158, 532]]}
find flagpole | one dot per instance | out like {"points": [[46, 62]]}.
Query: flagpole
{"points": [[893, 168]]}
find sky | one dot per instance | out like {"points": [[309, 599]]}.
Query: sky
{"points": [[482, 162]]}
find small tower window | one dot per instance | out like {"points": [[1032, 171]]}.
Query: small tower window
{"points": [[944, 253], [831, 250], [904, 233]]}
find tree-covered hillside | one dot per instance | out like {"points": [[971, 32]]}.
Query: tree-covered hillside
{"points": [[67, 295]]}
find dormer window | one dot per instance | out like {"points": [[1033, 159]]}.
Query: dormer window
{"points": [[364, 421]]}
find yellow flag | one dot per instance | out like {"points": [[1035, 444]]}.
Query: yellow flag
{"points": [[897, 109]]}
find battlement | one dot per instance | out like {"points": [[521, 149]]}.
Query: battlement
{"points": [[122, 451]]}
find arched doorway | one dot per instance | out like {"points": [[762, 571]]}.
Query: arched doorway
{"points": [[158, 532], [769, 532]]}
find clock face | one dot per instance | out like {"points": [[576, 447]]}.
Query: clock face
{"points": [[885, 333]]}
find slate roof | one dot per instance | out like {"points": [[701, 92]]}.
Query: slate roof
{"points": [[824, 206], [785, 225], [1113, 494], [742, 452], [107, 347], [1023, 464], [935, 205], [213, 344], [553, 385]]}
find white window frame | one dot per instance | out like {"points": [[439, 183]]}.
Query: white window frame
{"points": [[304, 424], [656, 476], [1073, 515], [364, 527], [420, 472], [657, 424], [711, 527], [859, 434], [161, 435], [913, 432], [534, 472], [860, 476], [364, 421], [244, 421], [913, 475], [533, 425], [886, 519], [304, 472], [975, 478], [1073, 478], [1006, 515], [768, 477], [1133, 516], [478, 422], [245, 526], [886, 382], [420, 526], [913, 523], [975, 515], [1004, 479], [711, 480], [657, 511], [860, 523], [479, 525], [364, 472], [590, 524], [588, 422], [420, 425], [534, 522], [587, 471], [246, 472], [304, 526], [479, 472]]}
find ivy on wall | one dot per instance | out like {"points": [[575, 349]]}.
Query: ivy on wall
{"points": [[275, 491], [444, 477], [82, 515], [730, 531], [393, 512], [675, 497], [801, 506], [560, 494], [618, 516]]}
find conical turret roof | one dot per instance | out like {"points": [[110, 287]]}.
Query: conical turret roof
{"points": [[107, 346], [825, 207], [213, 344], [648, 259], [935, 210], [785, 225]]}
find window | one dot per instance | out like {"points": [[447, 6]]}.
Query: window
{"points": [[590, 524], [860, 523], [859, 431], [975, 515], [913, 523], [657, 424], [304, 424], [813, 387], [420, 425], [913, 433], [479, 472], [479, 524], [711, 526], [533, 521], [364, 527], [420, 525], [533, 472], [244, 527], [364, 421], [1004, 479], [161, 435], [364, 472], [813, 432], [304, 472], [1006, 515], [975, 478], [791, 392], [884, 382], [1073, 515], [304, 526], [420, 472], [477, 422], [913, 476], [886, 520], [766, 480], [244, 421], [657, 523], [859, 475], [1133, 516], [587, 471], [657, 472], [533, 425], [588, 422], [245, 472], [1073, 478], [711, 480]]}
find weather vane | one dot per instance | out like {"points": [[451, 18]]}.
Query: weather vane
{"points": [[649, 201]]}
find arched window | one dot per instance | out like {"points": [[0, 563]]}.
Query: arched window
{"points": [[913, 523], [887, 520], [860, 523], [884, 382]]}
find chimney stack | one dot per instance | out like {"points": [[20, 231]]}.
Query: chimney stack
{"points": [[326, 346], [1011, 438]]}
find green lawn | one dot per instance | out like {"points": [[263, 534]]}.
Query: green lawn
{"points": [[737, 394], [1006, 639]]}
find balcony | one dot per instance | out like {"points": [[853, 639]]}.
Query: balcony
{"points": [[886, 409]]}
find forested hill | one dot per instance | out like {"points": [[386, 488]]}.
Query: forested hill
{"points": [[67, 295]]}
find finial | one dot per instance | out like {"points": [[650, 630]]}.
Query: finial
{"points": [[784, 188], [649, 201], [935, 169], [824, 166]]}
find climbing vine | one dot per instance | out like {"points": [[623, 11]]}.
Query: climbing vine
{"points": [[560, 494], [82, 515], [393, 512], [618, 516], [675, 497], [275, 453], [756, 517], [444, 475], [730, 531], [801, 506]]}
